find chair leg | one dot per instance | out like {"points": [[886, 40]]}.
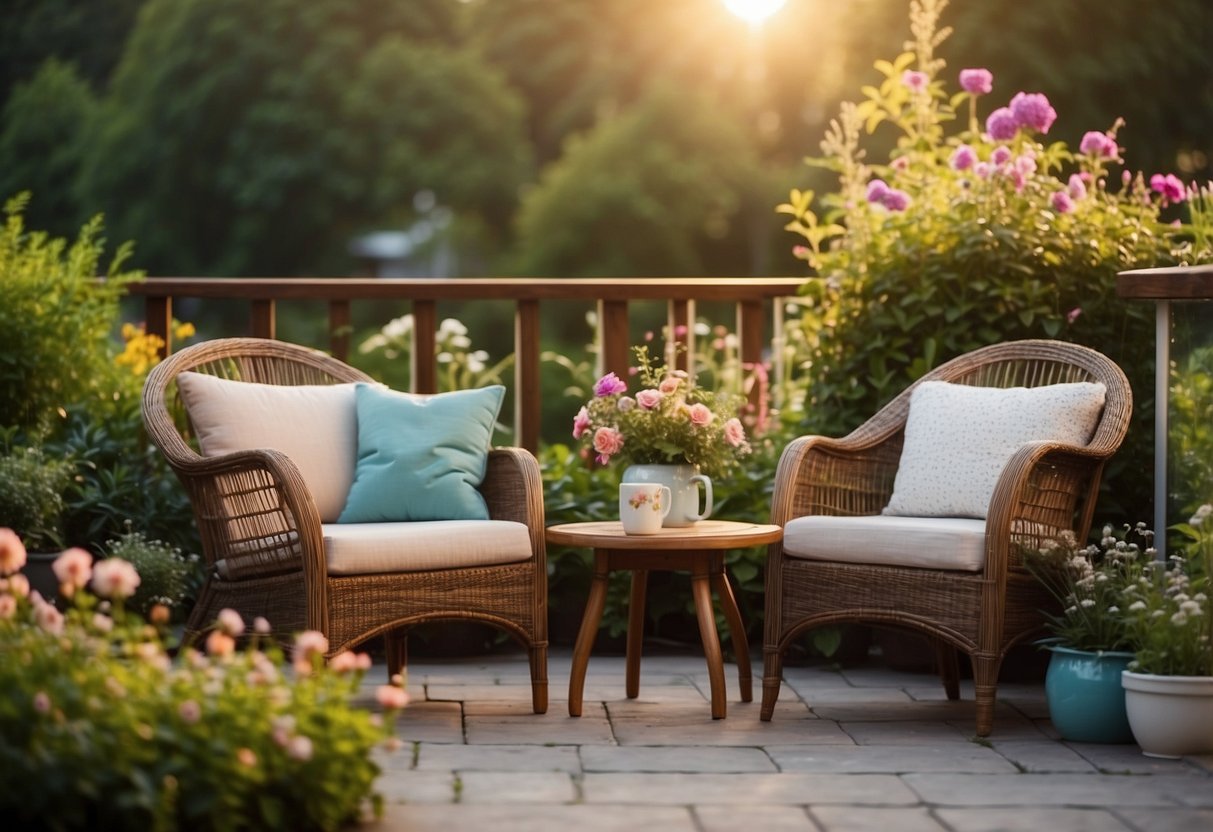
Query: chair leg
{"points": [[772, 675], [397, 649], [539, 678], [985, 683], [947, 664]]}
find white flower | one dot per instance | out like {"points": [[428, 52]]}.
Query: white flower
{"points": [[451, 326], [1200, 515], [1137, 606], [1179, 619]]}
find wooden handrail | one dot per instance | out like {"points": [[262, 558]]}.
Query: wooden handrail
{"points": [[751, 296]]}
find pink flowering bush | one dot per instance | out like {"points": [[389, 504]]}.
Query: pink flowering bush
{"points": [[975, 229], [668, 419], [102, 727]]}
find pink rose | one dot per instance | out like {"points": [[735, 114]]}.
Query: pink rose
{"points": [[392, 697], [649, 399], [669, 385], [12, 552], [734, 433], [700, 414], [607, 442], [608, 385], [73, 569], [976, 81], [115, 578]]}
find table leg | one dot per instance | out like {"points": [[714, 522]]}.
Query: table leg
{"points": [[745, 673], [640, 583], [701, 589], [589, 629]]}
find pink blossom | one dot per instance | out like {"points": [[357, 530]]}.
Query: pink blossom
{"points": [[261, 626], [219, 643], [1002, 124], [73, 569], [581, 423], [625, 404], [1032, 110], [310, 643], [982, 170], [12, 552], [976, 81], [607, 442], [680, 331], [42, 702], [230, 622], [391, 696], [669, 385], [115, 578], [1000, 156], [734, 433], [877, 189], [246, 757], [1170, 186], [1061, 202], [1099, 145], [900, 163], [48, 618], [343, 662], [700, 414], [915, 80], [299, 748], [800, 252], [8, 606], [896, 200], [190, 711], [609, 385], [18, 585], [649, 399], [102, 623], [1076, 186], [963, 157], [1073, 314]]}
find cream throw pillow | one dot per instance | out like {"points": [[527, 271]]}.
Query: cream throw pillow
{"points": [[959, 438], [316, 426]]}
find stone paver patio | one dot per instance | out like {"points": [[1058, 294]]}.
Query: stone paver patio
{"points": [[873, 749]]}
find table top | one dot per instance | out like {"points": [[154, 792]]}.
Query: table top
{"points": [[706, 534]]}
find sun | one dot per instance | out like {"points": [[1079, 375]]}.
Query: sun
{"points": [[754, 11]]}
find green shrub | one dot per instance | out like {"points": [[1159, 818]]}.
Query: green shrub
{"points": [[960, 240], [55, 322], [32, 486], [170, 577]]}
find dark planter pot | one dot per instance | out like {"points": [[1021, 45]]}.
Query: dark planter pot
{"points": [[41, 575]]}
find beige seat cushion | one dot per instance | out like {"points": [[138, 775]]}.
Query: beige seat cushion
{"points": [[956, 543], [368, 548], [314, 425]]}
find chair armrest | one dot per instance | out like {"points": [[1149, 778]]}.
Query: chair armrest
{"points": [[849, 476], [255, 515], [513, 490]]}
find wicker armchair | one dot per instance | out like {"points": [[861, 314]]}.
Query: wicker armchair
{"points": [[265, 546], [1045, 488]]}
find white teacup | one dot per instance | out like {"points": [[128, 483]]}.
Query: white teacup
{"points": [[642, 506]]}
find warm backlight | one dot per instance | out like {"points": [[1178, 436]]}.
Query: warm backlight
{"points": [[754, 11]]}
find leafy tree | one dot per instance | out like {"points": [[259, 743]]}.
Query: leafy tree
{"points": [[226, 144], [41, 133], [657, 191]]}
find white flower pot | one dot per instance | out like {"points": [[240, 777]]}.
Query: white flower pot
{"points": [[1171, 716]]}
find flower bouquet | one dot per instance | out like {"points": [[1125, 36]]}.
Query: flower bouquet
{"points": [[669, 420]]}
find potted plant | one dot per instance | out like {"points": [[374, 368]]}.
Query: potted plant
{"points": [[1090, 639], [1169, 684]]}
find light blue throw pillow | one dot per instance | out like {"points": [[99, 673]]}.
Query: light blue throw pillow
{"points": [[421, 457]]}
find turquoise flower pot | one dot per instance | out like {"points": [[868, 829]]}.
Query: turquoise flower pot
{"points": [[1086, 700]]}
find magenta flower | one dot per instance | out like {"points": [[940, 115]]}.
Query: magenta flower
{"points": [[581, 423], [896, 200], [1170, 186], [1000, 156], [1002, 124], [609, 385], [982, 170], [915, 80], [1032, 110], [976, 81], [1061, 202], [1073, 314], [877, 189], [1099, 145], [1077, 187], [963, 158]]}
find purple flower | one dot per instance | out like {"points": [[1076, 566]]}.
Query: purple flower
{"points": [[1025, 164], [963, 158], [916, 81], [1100, 145], [1061, 202], [1073, 314], [896, 200], [983, 170], [1077, 186], [1002, 124], [609, 385], [1000, 156], [1033, 110], [877, 189], [1170, 186], [976, 81]]}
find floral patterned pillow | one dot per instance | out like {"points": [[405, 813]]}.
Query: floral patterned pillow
{"points": [[959, 438]]}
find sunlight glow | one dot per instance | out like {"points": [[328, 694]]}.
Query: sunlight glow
{"points": [[754, 11]]}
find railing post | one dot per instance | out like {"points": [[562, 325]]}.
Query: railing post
{"points": [[423, 375], [614, 353], [264, 321], [750, 339], [158, 320], [528, 395], [681, 316]]}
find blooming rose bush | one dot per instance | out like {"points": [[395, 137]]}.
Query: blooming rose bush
{"points": [[976, 229], [667, 420], [101, 728]]}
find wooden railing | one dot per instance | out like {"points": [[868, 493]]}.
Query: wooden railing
{"points": [[754, 298]]}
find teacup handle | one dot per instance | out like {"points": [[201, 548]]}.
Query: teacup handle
{"points": [[707, 492], [667, 500]]}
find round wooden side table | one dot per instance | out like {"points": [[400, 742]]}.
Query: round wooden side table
{"points": [[698, 549]]}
